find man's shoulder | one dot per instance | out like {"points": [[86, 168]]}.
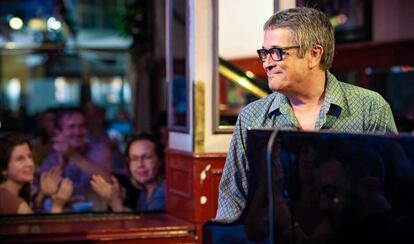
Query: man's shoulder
{"points": [[361, 94]]}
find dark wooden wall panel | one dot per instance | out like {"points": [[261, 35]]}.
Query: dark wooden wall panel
{"points": [[198, 201]]}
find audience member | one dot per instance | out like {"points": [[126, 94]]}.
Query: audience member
{"points": [[78, 159], [145, 160], [95, 118], [17, 172], [42, 143]]}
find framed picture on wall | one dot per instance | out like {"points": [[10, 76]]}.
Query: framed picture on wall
{"points": [[352, 19], [177, 67]]}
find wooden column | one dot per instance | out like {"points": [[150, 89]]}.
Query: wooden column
{"points": [[192, 186]]}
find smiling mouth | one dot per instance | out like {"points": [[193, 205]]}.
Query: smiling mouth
{"points": [[28, 170], [273, 74], [28, 173], [273, 70], [141, 173]]}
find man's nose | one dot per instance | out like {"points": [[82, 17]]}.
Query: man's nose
{"points": [[268, 61]]}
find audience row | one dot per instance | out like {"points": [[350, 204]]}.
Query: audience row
{"points": [[80, 169]]}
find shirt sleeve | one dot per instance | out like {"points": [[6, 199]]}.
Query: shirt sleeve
{"points": [[158, 199], [233, 184], [381, 120]]}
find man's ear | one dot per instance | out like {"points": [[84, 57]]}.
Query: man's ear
{"points": [[315, 56]]}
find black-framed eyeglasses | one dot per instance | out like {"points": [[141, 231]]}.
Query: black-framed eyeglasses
{"points": [[276, 53]]}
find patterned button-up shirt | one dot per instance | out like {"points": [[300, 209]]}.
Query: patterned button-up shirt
{"points": [[346, 108]]}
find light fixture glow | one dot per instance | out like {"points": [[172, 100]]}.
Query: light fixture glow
{"points": [[16, 23], [53, 24], [60, 89], [249, 74], [14, 88]]}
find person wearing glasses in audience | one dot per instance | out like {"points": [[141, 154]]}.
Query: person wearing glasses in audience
{"points": [[145, 157], [297, 52]]}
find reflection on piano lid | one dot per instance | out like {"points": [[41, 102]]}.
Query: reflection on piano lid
{"points": [[321, 182]]}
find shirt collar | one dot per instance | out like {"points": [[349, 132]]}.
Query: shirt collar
{"points": [[280, 104], [333, 92], [333, 95]]}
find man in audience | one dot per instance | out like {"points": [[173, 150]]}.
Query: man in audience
{"points": [[78, 159], [98, 134]]}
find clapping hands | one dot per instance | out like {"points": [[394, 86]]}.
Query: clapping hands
{"points": [[60, 190], [111, 192], [49, 180], [62, 196]]}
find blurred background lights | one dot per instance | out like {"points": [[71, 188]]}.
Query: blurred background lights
{"points": [[116, 86], [16, 23], [14, 88], [338, 20], [60, 88], [249, 74], [53, 24], [37, 24]]}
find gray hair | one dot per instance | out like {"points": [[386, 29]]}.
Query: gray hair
{"points": [[308, 27]]}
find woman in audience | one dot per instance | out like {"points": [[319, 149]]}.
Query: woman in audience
{"points": [[145, 160], [45, 131], [17, 173]]}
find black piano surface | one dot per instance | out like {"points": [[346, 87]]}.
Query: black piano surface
{"points": [[326, 188]]}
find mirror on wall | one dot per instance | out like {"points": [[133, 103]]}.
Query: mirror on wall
{"points": [[67, 62], [178, 118], [238, 74]]}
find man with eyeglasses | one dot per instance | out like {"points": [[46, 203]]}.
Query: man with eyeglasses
{"points": [[297, 52]]}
